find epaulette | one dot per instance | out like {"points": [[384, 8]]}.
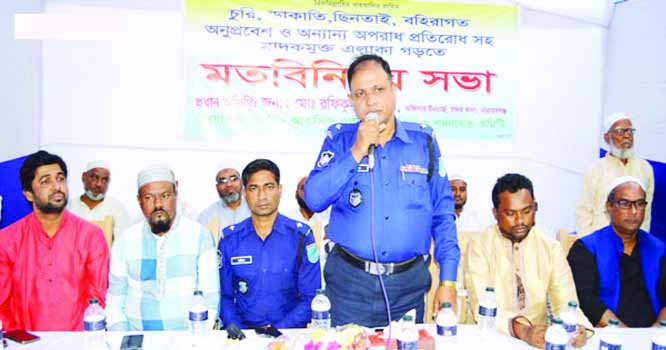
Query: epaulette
{"points": [[339, 128], [418, 127], [303, 229], [229, 230]]}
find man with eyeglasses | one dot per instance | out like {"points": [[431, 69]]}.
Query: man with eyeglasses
{"points": [[231, 208], [619, 161], [620, 270], [158, 263]]}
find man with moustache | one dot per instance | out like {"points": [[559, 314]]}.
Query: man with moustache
{"points": [[525, 267], [466, 219], [94, 204], [269, 269], [51, 261], [231, 208], [620, 160], [620, 270], [386, 208], [157, 264]]}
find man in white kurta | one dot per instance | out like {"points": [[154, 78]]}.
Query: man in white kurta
{"points": [[467, 219], [94, 204], [619, 161], [231, 208]]}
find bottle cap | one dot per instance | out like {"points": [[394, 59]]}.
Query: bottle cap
{"points": [[407, 318], [321, 291], [662, 323], [198, 292], [93, 301], [490, 289], [446, 304], [613, 322], [573, 304], [557, 321]]}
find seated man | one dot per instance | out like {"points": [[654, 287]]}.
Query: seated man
{"points": [[525, 267], [270, 265], [231, 208], [94, 204], [620, 269], [466, 219], [51, 261], [157, 264]]}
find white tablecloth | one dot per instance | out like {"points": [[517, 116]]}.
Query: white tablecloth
{"points": [[468, 338]]}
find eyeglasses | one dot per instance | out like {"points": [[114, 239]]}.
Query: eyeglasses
{"points": [[225, 180], [626, 204], [624, 131]]}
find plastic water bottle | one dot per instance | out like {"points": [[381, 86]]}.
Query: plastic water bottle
{"points": [[609, 339], [556, 336], [94, 325], [659, 337], [321, 311], [569, 319], [198, 317], [447, 328], [487, 312], [409, 336]]}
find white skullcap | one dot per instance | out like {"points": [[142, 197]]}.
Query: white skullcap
{"points": [[611, 119], [96, 164], [155, 173], [623, 180], [457, 177]]}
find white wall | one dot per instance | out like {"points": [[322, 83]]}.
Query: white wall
{"points": [[636, 81], [120, 100], [20, 83]]}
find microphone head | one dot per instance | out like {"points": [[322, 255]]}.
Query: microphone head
{"points": [[372, 116]]}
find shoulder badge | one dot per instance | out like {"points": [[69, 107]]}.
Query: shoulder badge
{"points": [[313, 254]]}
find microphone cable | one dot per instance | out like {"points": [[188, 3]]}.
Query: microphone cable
{"points": [[374, 253]]}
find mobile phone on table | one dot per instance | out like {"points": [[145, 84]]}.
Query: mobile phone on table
{"points": [[132, 342], [20, 336]]}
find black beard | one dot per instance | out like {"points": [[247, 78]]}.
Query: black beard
{"points": [[160, 226], [49, 208], [458, 206], [301, 203]]}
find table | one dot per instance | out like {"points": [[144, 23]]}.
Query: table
{"points": [[468, 338]]}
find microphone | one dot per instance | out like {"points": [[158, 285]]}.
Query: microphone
{"points": [[371, 149]]}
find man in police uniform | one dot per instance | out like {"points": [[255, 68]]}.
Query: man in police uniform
{"points": [[388, 213], [269, 269]]}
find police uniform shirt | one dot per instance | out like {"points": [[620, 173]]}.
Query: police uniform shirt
{"points": [[261, 281], [409, 210]]}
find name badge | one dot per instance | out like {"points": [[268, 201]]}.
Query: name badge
{"points": [[241, 260], [363, 168]]}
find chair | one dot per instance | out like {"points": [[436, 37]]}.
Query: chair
{"points": [[433, 267], [214, 228], [107, 228], [567, 239]]}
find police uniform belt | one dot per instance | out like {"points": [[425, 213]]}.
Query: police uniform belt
{"points": [[374, 268]]}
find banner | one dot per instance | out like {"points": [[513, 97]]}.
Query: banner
{"points": [[274, 73]]}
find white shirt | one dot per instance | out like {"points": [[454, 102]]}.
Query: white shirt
{"points": [[468, 220], [227, 216], [591, 209], [108, 207]]}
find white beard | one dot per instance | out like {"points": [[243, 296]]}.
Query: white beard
{"points": [[621, 153], [94, 198]]}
